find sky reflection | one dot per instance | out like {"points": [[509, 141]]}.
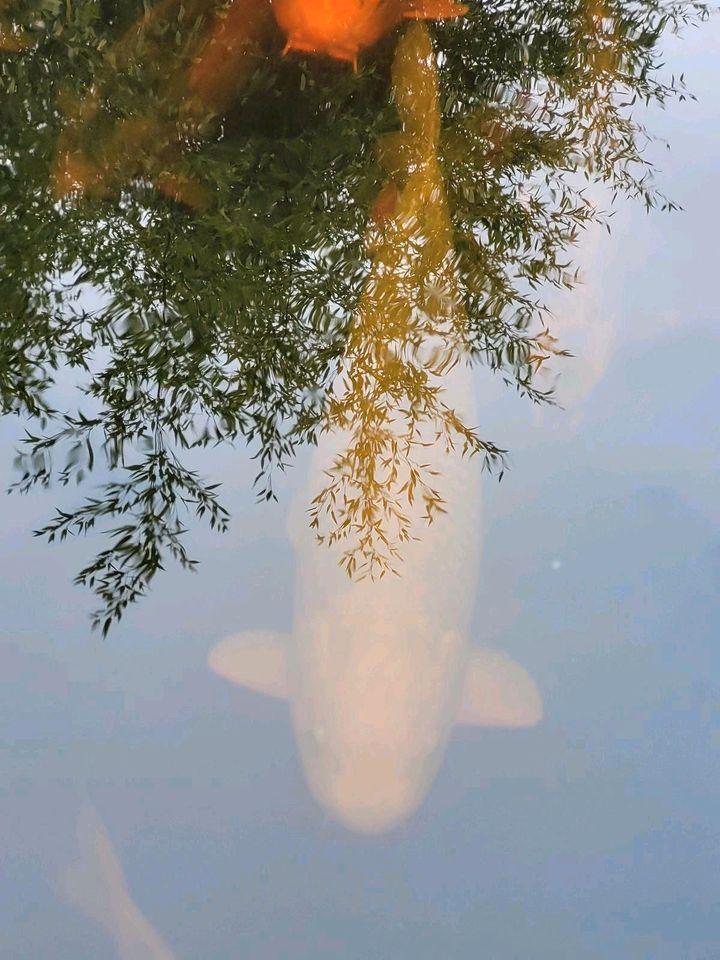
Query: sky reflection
{"points": [[592, 835]]}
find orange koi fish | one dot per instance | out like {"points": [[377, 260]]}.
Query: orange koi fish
{"points": [[342, 28], [225, 56], [229, 53]]}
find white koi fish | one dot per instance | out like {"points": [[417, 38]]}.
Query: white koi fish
{"points": [[378, 671]]}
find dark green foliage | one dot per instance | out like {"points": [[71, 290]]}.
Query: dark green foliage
{"points": [[225, 321]]}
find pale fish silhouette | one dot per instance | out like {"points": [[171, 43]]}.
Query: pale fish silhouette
{"points": [[378, 671], [95, 884]]}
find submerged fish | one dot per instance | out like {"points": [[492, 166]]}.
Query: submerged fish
{"points": [[342, 28], [222, 57], [95, 885], [377, 672]]}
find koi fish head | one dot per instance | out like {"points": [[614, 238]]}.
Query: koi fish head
{"points": [[373, 703], [370, 709]]}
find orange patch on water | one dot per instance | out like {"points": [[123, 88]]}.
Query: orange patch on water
{"points": [[342, 28]]}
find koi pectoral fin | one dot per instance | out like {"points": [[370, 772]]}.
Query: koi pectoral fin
{"points": [[498, 692], [256, 659], [434, 10]]}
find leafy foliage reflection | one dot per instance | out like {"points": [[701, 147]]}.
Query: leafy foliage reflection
{"points": [[215, 196]]}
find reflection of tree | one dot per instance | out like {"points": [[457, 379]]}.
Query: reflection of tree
{"points": [[224, 316], [409, 329]]}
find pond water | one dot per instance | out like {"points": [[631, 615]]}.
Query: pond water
{"points": [[323, 256]]}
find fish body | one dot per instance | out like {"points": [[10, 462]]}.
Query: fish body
{"points": [[95, 884], [229, 52], [376, 666], [378, 671], [342, 28]]}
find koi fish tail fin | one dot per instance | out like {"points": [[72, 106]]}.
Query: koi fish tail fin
{"points": [[434, 10]]}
